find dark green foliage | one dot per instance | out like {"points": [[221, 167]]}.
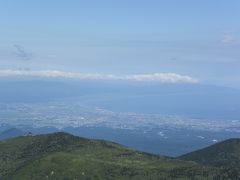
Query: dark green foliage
{"points": [[224, 155], [220, 154]]}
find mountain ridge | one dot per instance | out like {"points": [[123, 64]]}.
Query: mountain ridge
{"points": [[64, 156], [218, 154]]}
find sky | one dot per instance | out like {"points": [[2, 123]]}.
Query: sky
{"points": [[162, 40]]}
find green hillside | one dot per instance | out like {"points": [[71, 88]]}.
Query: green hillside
{"points": [[224, 155], [220, 154], [63, 156]]}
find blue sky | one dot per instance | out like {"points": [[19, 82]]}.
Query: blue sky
{"points": [[199, 39]]}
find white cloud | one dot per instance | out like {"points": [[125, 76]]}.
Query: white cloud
{"points": [[154, 77]]}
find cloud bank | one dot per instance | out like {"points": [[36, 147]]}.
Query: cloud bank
{"points": [[153, 77]]}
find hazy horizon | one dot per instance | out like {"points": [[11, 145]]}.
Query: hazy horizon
{"points": [[166, 41]]}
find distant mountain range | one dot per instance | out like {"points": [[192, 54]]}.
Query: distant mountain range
{"points": [[196, 100], [11, 133], [64, 156]]}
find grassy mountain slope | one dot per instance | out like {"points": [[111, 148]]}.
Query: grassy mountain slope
{"points": [[224, 155], [220, 154], [63, 156]]}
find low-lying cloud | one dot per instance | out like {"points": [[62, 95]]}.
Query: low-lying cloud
{"points": [[152, 77]]}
